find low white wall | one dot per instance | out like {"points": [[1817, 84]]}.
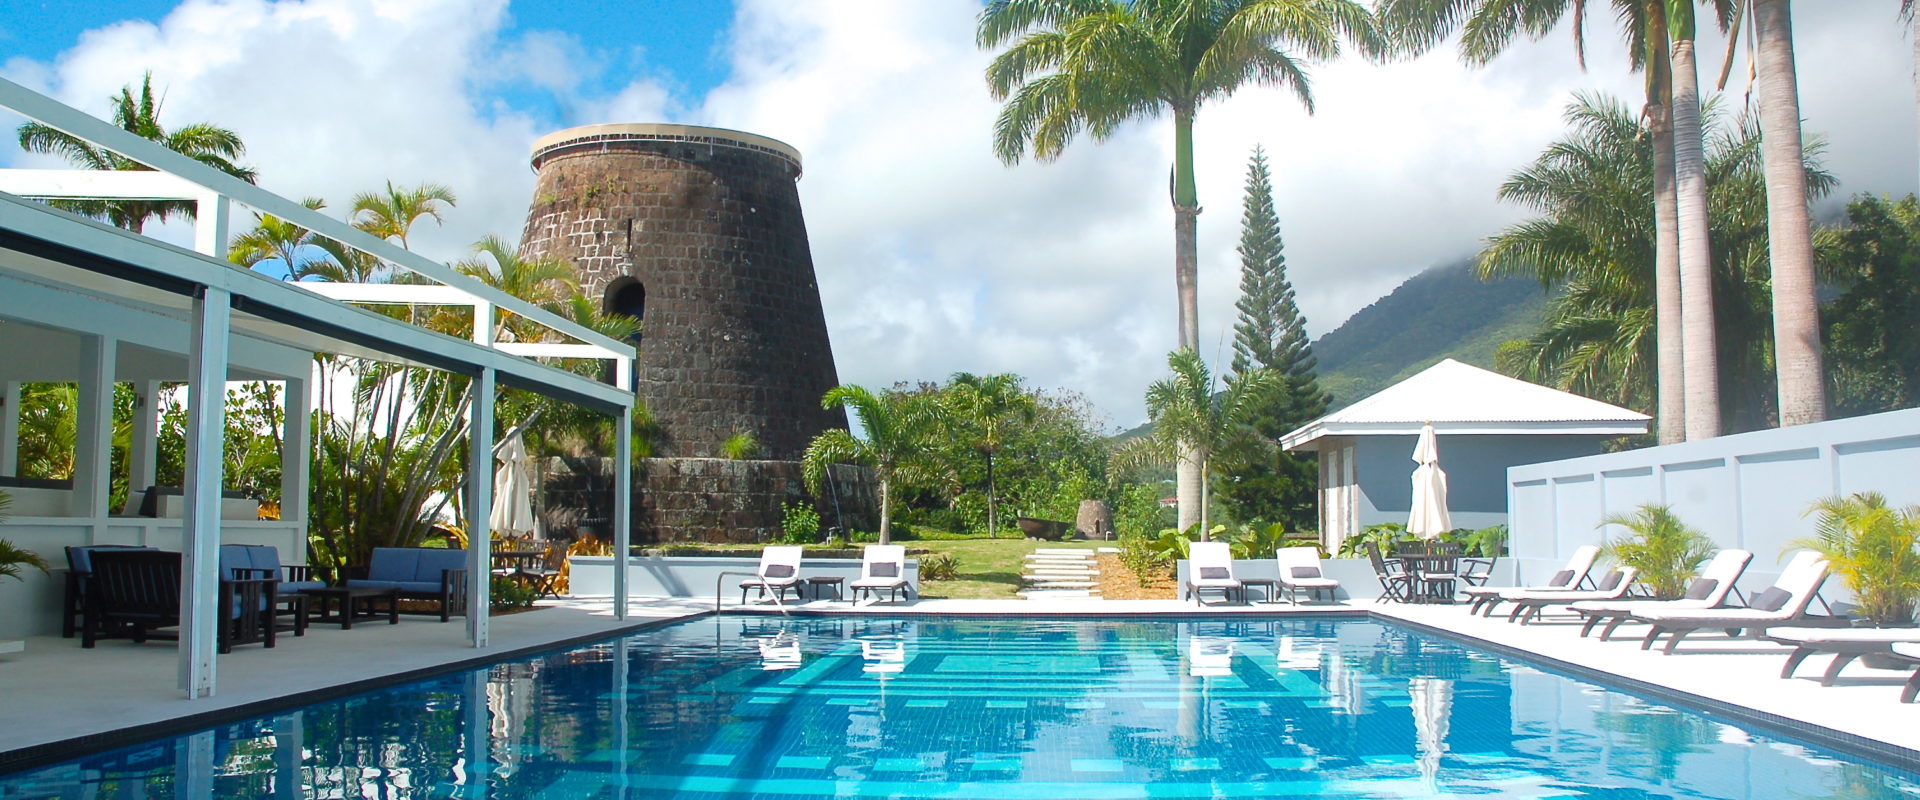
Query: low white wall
{"points": [[1748, 491], [1355, 575], [32, 606], [695, 576]]}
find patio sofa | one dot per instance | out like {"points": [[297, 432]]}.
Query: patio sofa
{"points": [[133, 592], [428, 574], [239, 561]]}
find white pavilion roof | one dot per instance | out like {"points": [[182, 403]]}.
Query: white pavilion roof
{"points": [[1460, 398]]}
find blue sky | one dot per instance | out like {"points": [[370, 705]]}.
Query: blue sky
{"points": [[932, 256]]}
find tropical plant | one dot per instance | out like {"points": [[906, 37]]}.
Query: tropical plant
{"points": [[1666, 551], [939, 567], [1142, 556], [1190, 423], [1073, 65], [799, 523], [276, 240], [1385, 535], [546, 282], [391, 214], [1872, 547], [986, 405], [894, 445], [13, 558], [1256, 539], [1876, 260], [740, 446], [140, 115], [1488, 542]]}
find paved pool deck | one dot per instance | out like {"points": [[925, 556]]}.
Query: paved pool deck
{"points": [[56, 692]]}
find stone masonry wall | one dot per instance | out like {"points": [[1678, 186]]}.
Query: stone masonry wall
{"points": [[703, 499], [734, 336]]}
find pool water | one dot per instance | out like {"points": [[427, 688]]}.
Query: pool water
{"points": [[731, 707]]}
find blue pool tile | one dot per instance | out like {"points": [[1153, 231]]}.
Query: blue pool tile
{"points": [[1387, 761], [1291, 762], [926, 703], [1006, 704], [1161, 705], [1194, 764], [1085, 705], [707, 759], [995, 764], [1243, 704], [898, 765], [766, 700], [803, 762], [1097, 765], [847, 701]]}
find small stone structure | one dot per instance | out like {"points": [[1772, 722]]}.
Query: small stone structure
{"points": [[1094, 521]]}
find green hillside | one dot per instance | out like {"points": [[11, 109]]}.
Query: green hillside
{"points": [[1445, 312]]}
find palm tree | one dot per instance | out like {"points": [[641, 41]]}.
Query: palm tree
{"points": [[140, 115], [1796, 309], [1189, 418], [894, 447], [1696, 251], [546, 282], [1666, 551], [987, 404], [391, 214], [1097, 64], [275, 239]]}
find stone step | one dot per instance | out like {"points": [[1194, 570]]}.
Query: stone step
{"points": [[1108, 550], [1064, 584], [1038, 572], [1054, 550], [1059, 594], [1057, 560]]}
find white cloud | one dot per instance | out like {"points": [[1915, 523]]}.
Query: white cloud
{"points": [[932, 256]]}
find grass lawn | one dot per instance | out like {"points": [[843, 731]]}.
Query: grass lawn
{"points": [[989, 568]]}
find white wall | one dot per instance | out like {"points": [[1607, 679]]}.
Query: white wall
{"points": [[1748, 491]]}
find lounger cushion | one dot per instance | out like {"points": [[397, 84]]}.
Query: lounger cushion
{"points": [[779, 570], [1306, 572], [1701, 588], [1215, 573], [1612, 580], [1561, 578], [1773, 599], [884, 569], [879, 583]]}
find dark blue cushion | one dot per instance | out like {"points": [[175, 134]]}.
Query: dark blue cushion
{"points": [[434, 562], [267, 557], [80, 557], [393, 564], [234, 558], [289, 587], [428, 587]]}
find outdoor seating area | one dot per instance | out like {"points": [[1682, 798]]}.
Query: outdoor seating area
{"points": [[883, 569]]}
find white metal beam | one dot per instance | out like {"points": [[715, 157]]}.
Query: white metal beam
{"points": [[394, 294], [479, 507], [205, 468], [84, 184], [296, 451]]}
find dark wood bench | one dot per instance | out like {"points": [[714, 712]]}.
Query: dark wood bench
{"points": [[134, 593]]}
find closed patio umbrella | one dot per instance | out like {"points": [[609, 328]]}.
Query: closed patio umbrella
{"points": [[1432, 703], [1429, 517], [512, 490]]}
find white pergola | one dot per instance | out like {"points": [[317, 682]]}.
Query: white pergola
{"points": [[124, 293]]}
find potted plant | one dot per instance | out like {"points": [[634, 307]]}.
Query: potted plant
{"points": [[1666, 551], [1872, 548]]}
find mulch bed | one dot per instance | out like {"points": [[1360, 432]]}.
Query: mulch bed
{"points": [[1118, 583]]}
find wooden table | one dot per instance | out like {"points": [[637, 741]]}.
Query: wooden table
{"points": [[1269, 586], [1418, 565], [818, 585], [353, 602]]}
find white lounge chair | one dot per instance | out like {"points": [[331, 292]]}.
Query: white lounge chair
{"points": [[1709, 590], [1300, 571], [1568, 579], [1529, 604], [882, 566], [1909, 653], [1846, 644], [1209, 656], [779, 572], [1210, 567], [1784, 604]]}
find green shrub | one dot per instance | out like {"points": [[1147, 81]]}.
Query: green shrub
{"points": [[799, 523], [740, 446], [1385, 534], [1666, 551], [939, 567], [1255, 540], [1872, 548], [510, 594], [1140, 554]]}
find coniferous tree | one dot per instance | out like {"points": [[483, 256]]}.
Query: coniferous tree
{"points": [[1271, 334]]}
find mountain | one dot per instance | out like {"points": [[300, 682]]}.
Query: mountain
{"points": [[1445, 312]]}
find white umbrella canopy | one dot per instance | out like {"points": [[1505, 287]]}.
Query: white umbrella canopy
{"points": [[512, 511], [1429, 517]]}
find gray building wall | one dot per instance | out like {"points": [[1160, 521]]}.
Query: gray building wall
{"points": [[1476, 468]]}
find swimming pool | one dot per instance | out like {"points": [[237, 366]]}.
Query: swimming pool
{"points": [[732, 707]]}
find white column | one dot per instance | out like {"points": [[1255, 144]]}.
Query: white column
{"points": [[296, 451], [478, 729], [10, 428], [483, 323], [479, 506], [289, 746], [622, 507], [206, 431], [93, 430], [210, 222], [193, 767], [143, 452]]}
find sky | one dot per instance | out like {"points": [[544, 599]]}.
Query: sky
{"points": [[932, 256]]}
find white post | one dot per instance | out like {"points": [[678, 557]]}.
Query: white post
{"points": [[483, 322], [478, 729], [622, 507], [479, 506], [193, 767], [206, 433], [10, 428], [210, 225], [143, 452], [93, 429], [296, 450], [289, 754]]}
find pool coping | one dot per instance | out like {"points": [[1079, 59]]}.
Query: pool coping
{"points": [[31, 756]]}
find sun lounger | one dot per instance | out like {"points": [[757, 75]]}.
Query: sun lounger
{"points": [[779, 572], [1783, 604], [1300, 571], [1846, 644], [1709, 590], [1529, 604], [882, 566], [1570, 578], [1210, 566], [1909, 652]]}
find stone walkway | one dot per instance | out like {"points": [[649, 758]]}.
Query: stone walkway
{"points": [[1060, 573]]}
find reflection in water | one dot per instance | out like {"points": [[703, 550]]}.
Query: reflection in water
{"points": [[791, 708]]}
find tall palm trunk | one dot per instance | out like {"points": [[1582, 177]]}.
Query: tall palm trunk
{"points": [[1186, 269], [1696, 253], [886, 515], [1668, 343], [993, 517], [1796, 313]]}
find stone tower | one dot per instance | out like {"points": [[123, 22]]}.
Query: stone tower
{"points": [[697, 232]]}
